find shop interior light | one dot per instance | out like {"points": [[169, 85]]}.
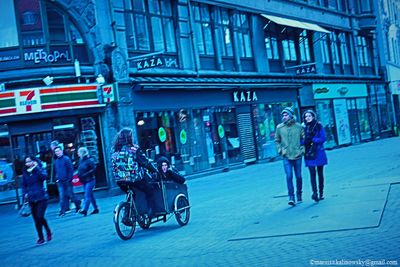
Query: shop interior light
{"points": [[63, 126], [3, 134], [140, 123]]}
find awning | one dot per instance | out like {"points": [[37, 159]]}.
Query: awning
{"points": [[295, 23]]}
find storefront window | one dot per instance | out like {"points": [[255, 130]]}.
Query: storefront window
{"points": [[7, 175], [380, 109], [193, 140], [384, 108], [266, 118], [325, 116], [353, 120], [365, 130]]}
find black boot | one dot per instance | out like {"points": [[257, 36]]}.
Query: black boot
{"points": [[95, 211], [315, 197], [83, 212], [321, 195]]}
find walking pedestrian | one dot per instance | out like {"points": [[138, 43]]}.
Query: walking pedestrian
{"points": [[288, 138], [64, 175], [315, 156], [86, 174], [129, 163], [33, 177]]}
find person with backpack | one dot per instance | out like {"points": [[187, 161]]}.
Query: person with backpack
{"points": [[130, 163]]}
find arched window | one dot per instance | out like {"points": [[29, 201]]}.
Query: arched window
{"points": [[38, 33]]}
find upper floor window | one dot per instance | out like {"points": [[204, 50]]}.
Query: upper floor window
{"points": [[203, 29], [326, 58], [334, 48], [8, 29], [38, 33], [364, 51], [223, 28], [289, 50], [344, 48], [242, 29], [150, 25], [271, 45], [304, 47], [364, 6]]}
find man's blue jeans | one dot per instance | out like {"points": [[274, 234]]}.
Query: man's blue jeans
{"points": [[89, 196], [289, 165], [65, 194]]}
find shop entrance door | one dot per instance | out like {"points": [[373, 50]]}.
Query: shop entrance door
{"points": [[353, 120]]}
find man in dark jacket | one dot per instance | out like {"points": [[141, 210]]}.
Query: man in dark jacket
{"points": [[64, 175]]}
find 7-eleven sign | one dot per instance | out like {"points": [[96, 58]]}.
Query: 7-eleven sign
{"points": [[28, 100], [108, 93]]}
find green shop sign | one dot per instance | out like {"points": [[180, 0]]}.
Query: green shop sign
{"points": [[183, 137], [162, 135], [221, 131]]}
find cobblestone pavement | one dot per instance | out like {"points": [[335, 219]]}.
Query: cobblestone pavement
{"points": [[223, 206]]}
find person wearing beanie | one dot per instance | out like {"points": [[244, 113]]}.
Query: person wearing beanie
{"points": [[315, 156], [289, 137]]}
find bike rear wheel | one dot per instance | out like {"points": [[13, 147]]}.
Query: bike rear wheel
{"points": [[125, 220]]}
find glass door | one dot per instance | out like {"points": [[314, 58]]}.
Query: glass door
{"points": [[353, 121]]}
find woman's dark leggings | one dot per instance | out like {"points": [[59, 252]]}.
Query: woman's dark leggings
{"points": [[38, 211], [313, 175]]}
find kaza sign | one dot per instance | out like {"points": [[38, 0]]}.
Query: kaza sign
{"points": [[150, 63], [306, 69], [244, 96]]}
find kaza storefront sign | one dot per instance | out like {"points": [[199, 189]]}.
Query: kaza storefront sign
{"points": [[150, 63], [339, 90], [244, 96], [42, 56], [48, 99], [306, 69]]}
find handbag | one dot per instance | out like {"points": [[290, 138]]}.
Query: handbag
{"points": [[311, 153], [25, 210]]}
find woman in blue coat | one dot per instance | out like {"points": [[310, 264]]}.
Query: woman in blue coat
{"points": [[315, 156], [33, 177]]}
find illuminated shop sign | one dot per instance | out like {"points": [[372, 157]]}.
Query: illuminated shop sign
{"points": [[245, 96], [40, 55], [339, 90], [43, 99]]}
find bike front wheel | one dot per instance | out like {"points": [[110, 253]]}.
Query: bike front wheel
{"points": [[125, 220]]}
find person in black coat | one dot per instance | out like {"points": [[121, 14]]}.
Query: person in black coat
{"points": [[86, 174], [167, 173], [33, 177]]}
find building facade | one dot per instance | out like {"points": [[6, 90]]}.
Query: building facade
{"points": [[200, 82], [388, 35]]}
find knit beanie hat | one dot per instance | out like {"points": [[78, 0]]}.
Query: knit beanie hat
{"points": [[312, 112], [289, 111]]}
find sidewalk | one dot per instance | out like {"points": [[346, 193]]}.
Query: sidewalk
{"points": [[231, 213]]}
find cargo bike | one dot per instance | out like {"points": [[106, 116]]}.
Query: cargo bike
{"points": [[170, 199]]}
